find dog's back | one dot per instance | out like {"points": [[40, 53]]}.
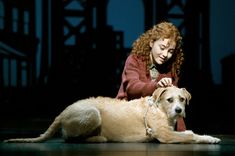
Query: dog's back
{"points": [[119, 120]]}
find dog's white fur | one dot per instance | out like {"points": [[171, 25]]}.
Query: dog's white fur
{"points": [[104, 119]]}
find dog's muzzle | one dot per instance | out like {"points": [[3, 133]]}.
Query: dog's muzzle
{"points": [[178, 110]]}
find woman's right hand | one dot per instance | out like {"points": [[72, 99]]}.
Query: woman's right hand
{"points": [[164, 82]]}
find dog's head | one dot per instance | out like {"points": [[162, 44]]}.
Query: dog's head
{"points": [[172, 100]]}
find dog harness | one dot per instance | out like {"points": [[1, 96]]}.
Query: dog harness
{"points": [[149, 131]]}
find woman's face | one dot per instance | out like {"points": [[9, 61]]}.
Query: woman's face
{"points": [[162, 50]]}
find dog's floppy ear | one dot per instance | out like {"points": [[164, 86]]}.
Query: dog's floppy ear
{"points": [[187, 95], [157, 93]]}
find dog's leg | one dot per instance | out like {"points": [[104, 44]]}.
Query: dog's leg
{"points": [[97, 139], [81, 122]]}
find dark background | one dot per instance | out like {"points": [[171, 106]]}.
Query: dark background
{"points": [[54, 52]]}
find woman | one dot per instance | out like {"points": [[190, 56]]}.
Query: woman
{"points": [[154, 61]]}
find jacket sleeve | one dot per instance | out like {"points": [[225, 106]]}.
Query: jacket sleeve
{"points": [[136, 83]]}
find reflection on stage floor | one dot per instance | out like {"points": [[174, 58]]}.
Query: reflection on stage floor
{"points": [[57, 147]]}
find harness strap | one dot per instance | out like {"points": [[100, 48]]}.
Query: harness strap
{"points": [[149, 131]]}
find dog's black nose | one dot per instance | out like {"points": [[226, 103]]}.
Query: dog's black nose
{"points": [[178, 110]]}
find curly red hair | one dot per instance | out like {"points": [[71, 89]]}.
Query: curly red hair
{"points": [[162, 30]]}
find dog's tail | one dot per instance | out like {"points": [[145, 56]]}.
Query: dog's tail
{"points": [[53, 128]]}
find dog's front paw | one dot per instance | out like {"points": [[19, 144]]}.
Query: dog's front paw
{"points": [[208, 139], [213, 140]]}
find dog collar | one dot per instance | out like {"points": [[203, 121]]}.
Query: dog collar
{"points": [[150, 101]]}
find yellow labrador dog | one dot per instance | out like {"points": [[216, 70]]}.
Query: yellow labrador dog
{"points": [[104, 119]]}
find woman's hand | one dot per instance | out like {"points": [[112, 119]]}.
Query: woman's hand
{"points": [[164, 82]]}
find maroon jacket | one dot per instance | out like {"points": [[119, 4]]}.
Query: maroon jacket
{"points": [[136, 79]]}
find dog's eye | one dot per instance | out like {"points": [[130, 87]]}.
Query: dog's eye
{"points": [[182, 99], [170, 100]]}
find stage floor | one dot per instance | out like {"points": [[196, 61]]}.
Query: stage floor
{"points": [[57, 147]]}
